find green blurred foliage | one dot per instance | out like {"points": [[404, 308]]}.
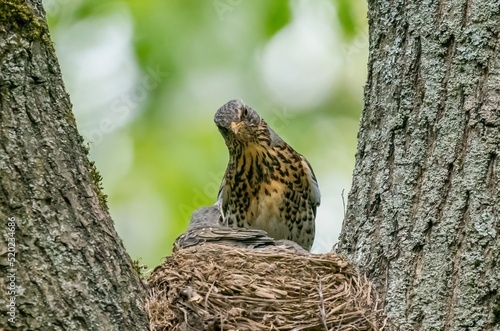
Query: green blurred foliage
{"points": [[346, 18], [167, 157]]}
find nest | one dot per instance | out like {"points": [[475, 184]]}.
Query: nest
{"points": [[216, 287]]}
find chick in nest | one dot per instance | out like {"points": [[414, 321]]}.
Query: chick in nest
{"points": [[205, 227]]}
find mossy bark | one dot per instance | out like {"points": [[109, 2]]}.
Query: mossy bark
{"points": [[423, 212], [70, 271]]}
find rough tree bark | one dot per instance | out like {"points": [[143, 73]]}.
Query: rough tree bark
{"points": [[423, 212], [71, 271]]}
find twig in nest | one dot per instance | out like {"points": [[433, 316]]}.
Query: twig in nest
{"points": [[343, 202], [208, 293], [322, 306]]}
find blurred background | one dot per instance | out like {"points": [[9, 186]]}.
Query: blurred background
{"points": [[146, 77]]}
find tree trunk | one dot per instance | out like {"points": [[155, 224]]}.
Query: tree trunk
{"points": [[62, 264], [423, 212]]}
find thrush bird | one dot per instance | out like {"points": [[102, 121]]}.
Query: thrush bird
{"points": [[267, 184], [205, 227]]}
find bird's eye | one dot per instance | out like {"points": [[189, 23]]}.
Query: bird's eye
{"points": [[244, 112]]}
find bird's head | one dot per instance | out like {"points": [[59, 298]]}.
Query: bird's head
{"points": [[238, 122], [205, 217]]}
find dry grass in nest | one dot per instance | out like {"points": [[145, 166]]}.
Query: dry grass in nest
{"points": [[216, 287]]}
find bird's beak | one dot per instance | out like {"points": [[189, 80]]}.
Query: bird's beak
{"points": [[235, 127]]}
